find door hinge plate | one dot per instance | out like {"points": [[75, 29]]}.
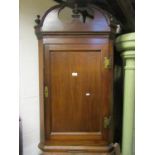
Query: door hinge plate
{"points": [[107, 122], [46, 92], [107, 63]]}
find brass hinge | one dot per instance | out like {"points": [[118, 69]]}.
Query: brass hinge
{"points": [[107, 122], [107, 63], [46, 92]]}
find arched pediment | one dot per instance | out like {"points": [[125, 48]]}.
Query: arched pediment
{"points": [[64, 19]]}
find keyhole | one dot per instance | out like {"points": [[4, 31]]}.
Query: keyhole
{"points": [[74, 74], [87, 94]]}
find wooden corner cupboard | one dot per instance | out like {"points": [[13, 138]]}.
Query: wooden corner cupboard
{"points": [[76, 79]]}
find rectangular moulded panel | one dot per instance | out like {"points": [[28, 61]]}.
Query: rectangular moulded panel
{"points": [[75, 99]]}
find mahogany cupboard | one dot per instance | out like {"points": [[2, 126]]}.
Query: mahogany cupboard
{"points": [[76, 79]]}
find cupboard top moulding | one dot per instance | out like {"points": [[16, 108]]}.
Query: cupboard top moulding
{"points": [[62, 20]]}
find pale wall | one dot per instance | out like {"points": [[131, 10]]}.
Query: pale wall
{"points": [[29, 92]]}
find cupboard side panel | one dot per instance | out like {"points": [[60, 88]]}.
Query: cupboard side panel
{"points": [[111, 53], [41, 90], [107, 74], [47, 99]]}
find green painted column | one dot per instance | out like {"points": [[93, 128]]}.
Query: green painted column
{"points": [[125, 44]]}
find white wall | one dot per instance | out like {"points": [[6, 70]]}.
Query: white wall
{"points": [[29, 88]]}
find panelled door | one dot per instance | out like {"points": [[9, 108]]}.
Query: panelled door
{"points": [[74, 106]]}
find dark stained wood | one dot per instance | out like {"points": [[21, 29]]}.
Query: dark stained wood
{"points": [[72, 116]]}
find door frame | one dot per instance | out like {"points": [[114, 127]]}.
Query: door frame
{"points": [[106, 81]]}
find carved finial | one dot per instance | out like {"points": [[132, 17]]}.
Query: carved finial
{"points": [[118, 29], [111, 18], [75, 11], [38, 20]]}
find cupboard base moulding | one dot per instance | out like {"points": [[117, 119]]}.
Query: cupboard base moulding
{"points": [[107, 150]]}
